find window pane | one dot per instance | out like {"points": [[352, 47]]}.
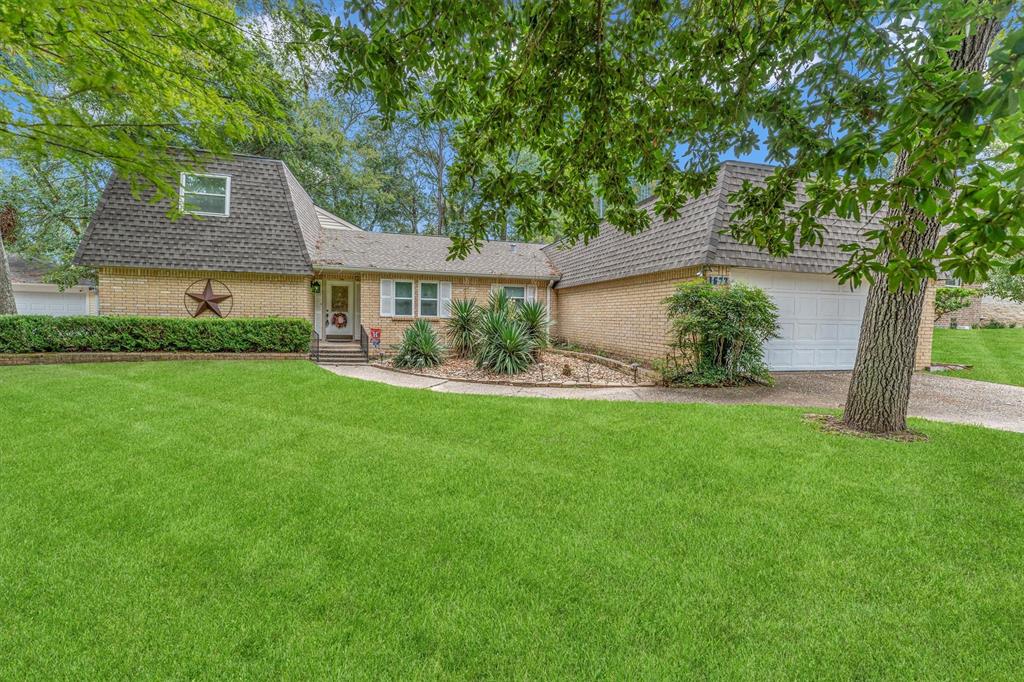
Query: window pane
{"points": [[516, 292], [428, 308], [207, 185], [339, 299], [403, 306], [428, 290], [205, 203], [403, 290]]}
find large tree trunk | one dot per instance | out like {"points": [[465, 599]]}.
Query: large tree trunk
{"points": [[880, 386], [7, 306]]}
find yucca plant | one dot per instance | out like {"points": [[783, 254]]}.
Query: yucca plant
{"points": [[533, 315], [503, 344], [462, 326], [420, 347], [499, 302]]}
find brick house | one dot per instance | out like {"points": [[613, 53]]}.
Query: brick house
{"points": [[982, 310], [249, 230]]}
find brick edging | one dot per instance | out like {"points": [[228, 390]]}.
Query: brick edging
{"points": [[500, 382], [11, 359]]}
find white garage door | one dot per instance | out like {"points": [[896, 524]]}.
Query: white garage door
{"points": [[50, 303], [819, 320]]}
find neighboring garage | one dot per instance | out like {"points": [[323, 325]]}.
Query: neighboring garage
{"points": [[819, 319], [33, 296]]}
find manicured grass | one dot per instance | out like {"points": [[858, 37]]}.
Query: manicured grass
{"points": [[997, 354], [271, 520]]}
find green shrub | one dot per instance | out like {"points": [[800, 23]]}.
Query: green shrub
{"points": [[462, 327], [718, 334], [420, 347], [45, 334], [503, 343], [993, 324], [533, 315]]}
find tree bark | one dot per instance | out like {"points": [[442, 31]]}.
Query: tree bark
{"points": [[880, 387], [7, 305]]}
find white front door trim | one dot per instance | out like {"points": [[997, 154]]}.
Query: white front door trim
{"points": [[339, 297]]}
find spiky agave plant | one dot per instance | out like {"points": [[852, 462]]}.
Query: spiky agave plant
{"points": [[462, 326], [499, 302], [533, 315], [420, 347], [503, 344]]}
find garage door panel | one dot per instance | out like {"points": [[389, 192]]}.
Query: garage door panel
{"points": [[806, 306], [849, 332], [851, 308], [786, 304], [805, 331], [819, 320], [828, 307]]}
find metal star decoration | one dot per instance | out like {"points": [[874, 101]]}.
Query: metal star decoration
{"points": [[208, 300]]}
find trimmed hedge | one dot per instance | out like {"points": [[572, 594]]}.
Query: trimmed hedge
{"points": [[45, 334]]}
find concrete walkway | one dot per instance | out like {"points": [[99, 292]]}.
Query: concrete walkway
{"points": [[946, 399]]}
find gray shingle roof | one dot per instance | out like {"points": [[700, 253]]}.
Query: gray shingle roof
{"points": [[358, 250], [271, 228], [695, 237]]}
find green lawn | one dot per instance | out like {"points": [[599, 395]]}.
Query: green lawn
{"points": [[997, 354], [271, 520]]}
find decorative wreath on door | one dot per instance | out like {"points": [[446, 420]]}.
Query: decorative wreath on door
{"points": [[339, 319]]}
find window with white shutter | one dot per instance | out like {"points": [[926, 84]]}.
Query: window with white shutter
{"points": [[429, 295], [531, 294], [446, 299], [387, 297]]}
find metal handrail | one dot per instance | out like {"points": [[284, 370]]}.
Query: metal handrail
{"points": [[314, 346], [364, 341]]}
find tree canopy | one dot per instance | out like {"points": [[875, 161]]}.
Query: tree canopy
{"points": [[604, 96], [121, 81]]}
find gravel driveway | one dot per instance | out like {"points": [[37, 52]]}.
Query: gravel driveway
{"points": [[941, 398]]}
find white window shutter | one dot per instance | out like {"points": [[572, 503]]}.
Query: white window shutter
{"points": [[387, 298], [445, 294], [531, 293]]}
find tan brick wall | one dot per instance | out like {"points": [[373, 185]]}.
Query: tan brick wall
{"points": [[392, 328], [161, 293], [626, 317], [923, 354]]}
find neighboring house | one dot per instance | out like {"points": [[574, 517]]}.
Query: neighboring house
{"points": [[983, 309], [259, 237], [34, 296]]}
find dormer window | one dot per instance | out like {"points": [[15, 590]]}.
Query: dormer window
{"points": [[205, 194]]}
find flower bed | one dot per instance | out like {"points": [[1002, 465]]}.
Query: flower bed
{"points": [[554, 368]]}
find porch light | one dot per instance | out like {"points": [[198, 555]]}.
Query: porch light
{"points": [[314, 286]]}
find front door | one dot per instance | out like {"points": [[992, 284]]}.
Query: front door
{"points": [[338, 310]]}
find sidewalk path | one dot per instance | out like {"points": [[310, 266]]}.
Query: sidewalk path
{"points": [[936, 397]]}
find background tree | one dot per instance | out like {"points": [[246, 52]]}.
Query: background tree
{"points": [[51, 202], [1003, 283], [952, 299], [606, 95]]}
